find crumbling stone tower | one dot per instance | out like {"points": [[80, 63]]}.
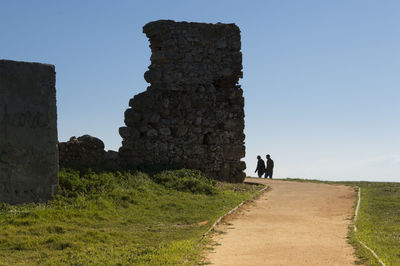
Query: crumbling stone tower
{"points": [[28, 132], [192, 113]]}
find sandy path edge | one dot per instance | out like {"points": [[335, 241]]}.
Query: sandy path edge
{"points": [[295, 223], [225, 216]]}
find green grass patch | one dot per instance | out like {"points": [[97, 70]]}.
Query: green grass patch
{"points": [[378, 221], [114, 218]]}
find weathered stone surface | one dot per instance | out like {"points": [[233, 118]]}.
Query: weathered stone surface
{"points": [[28, 132], [192, 113], [86, 151]]}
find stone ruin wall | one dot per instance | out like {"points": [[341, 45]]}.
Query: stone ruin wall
{"points": [[87, 152], [28, 132], [192, 113], [190, 116]]}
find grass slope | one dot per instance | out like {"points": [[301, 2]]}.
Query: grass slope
{"points": [[114, 218], [379, 221]]}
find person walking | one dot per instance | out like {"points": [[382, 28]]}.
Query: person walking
{"points": [[260, 167], [270, 167]]}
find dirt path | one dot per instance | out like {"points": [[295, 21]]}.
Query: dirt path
{"points": [[296, 223]]}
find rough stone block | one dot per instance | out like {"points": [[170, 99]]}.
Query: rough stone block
{"points": [[88, 152], [28, 132], [192, 113]]}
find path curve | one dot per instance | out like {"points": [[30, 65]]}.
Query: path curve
{"points": [[295, 223]]}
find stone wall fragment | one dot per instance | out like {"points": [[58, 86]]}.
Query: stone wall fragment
{"points": [[28, 132], [192, 114]]}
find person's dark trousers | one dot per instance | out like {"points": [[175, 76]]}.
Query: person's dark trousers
{"points": [[260, 173], [268, 174]]}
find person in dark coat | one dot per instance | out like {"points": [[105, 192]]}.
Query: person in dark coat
{"points": [[270, 167], [260, 167]]}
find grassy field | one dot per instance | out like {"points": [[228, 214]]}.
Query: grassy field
{"points": [[378, 222], [114, 218]]}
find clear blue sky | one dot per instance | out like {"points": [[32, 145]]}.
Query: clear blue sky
{"points": [[321, 78]]}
